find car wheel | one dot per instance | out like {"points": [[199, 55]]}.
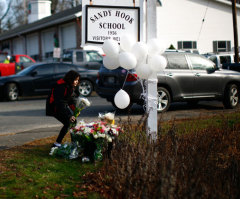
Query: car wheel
{"points": [[164, 100], [231, 96], [11, 92], [85, 88], [125, 109]]}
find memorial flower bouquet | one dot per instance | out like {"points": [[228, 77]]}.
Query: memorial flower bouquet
{"points": [[90, 139], [81, 103], [97, 134]]}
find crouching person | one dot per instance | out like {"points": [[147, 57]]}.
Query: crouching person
{"points": [[60, 102]]}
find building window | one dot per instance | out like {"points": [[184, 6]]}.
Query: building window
{"points": [[221, 46], [183, 45], [35, 57]]}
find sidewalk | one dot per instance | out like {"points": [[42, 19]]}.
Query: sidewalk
{"points": [[17, 139]]}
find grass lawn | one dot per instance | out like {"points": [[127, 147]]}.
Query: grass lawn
{"points": [[29, 172]]}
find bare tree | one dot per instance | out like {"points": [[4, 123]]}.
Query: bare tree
{"points": [[5, 14], [17, 11], [60, 5]]}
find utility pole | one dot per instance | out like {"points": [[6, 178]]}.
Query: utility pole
{"points": [[235, 31]]}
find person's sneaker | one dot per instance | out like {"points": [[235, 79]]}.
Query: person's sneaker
{"points": [[56, 145]]}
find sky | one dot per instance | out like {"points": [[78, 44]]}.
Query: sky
{"points": [[3, 6]]}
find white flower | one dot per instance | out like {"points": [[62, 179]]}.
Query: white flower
{"points": [[102, 135], [115, 132], [86, 101], [109, 139], [82, 102], [81, 123], [87, 130], [108, 116], [95, 136]]}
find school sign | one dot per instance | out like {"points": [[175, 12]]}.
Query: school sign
{"points": [[111, 22]]}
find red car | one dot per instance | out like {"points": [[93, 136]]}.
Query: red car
{"points": [[17, 63]]}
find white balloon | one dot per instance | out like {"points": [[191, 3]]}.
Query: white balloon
{"points": [[143, 71], [127, 60], [111, 48], [158, 63], [156, 46], [140, 50], [126, 43], [122, 99], [111, 62]]}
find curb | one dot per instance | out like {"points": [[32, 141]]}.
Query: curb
{"points": [[10, 140]]}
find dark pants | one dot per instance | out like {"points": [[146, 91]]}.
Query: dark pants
{"points": [[66, 124]]}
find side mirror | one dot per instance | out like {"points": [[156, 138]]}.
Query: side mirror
{"points": [[211, 70]]}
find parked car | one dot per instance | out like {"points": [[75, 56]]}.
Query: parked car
{"points": [[231, 66], [222, 58], [188, 78], [17, 63], [38, 79], [89, 59]]}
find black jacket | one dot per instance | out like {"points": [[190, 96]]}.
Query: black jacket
{"points": [[61, 100]]}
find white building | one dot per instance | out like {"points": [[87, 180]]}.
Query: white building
{"points": [[205, 25]]}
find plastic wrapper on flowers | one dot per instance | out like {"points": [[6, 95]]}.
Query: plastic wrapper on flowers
{"points": [[67, 150]]}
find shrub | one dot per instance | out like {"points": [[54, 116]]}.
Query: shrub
{"points": [[203, 163]]}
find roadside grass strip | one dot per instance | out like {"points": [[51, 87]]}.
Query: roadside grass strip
{"points": [[29, 171]]}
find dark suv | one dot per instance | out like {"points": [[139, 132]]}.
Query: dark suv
{"points": [[187, 78]]}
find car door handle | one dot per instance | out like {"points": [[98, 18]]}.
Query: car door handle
{"points": [[169, 74], [197, 75]]}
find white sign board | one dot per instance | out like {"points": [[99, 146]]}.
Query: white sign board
{"points": [[56, 53], [111, 22]]}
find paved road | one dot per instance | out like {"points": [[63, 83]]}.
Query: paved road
{"points": [[29, 114], [25, 120]]}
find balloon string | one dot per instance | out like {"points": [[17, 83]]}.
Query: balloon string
{"points": [[125, 79]]}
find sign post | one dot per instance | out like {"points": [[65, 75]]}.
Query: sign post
{"points": [[108, 19], [151, 32]]}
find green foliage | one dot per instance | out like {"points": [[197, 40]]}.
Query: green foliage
{"points": [[172, 47]]}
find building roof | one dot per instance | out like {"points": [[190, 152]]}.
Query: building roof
{"points": [[57, 18], [227, 2]]}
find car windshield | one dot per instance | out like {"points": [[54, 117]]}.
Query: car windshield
{"points": [[2, 58], [94, 56]]}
